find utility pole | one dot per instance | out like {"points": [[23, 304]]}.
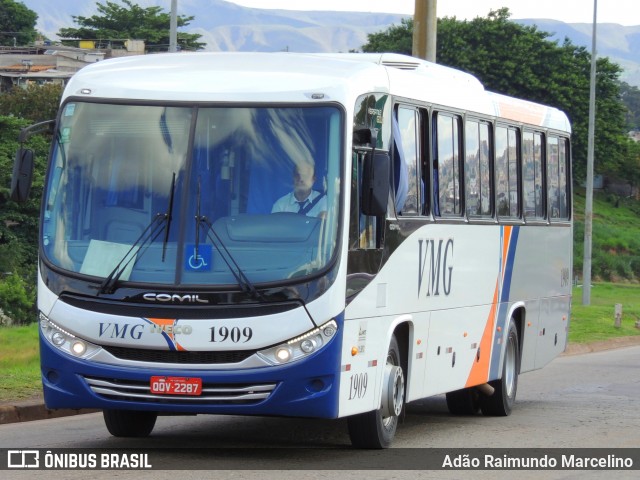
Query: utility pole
{"points": [[588, 210], [173, 27], [425, 29]]}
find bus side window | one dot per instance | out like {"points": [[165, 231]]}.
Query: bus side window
{"points": [[557, 174], [362, 228], [563, 167], [406, 148], [552, 177], [507, 159], [478, 169], [533, 199], [447, 165]]}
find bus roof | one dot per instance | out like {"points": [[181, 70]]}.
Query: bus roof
{"points": [[295, 77]]}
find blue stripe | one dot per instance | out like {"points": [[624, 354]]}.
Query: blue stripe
{"points": [[503, 307]]}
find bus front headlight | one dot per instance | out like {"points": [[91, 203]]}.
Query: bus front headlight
{"points": [[301, 346], [65, 341]]}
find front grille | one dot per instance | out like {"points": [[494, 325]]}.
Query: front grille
{"points": [[221, 394], [180, 357]]}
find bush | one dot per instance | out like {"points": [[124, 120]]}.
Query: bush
{"points": [[17, 300]]}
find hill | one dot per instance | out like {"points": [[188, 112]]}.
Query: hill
{"points": [[621, 44], [225, 26]]}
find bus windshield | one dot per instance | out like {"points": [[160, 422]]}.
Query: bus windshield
{"points": [[193, 195]]}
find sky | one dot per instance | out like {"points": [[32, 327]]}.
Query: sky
{"points": [[624, 12]]}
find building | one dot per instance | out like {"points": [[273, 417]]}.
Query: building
{"points": [[21, 66]]}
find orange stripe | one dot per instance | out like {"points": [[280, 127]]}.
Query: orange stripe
{"points": [[505, 247], [480, 369], [162, 321]]}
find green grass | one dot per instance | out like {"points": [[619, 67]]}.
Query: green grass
{"points": [[19, 357], [615, 239], [596, 322], [19, 362]]}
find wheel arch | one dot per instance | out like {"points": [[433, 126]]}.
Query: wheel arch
{"points": [[403, 329], [519, 316], [518, 313], [403, 332]]}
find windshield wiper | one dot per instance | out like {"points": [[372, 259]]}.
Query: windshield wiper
{"points": [[244, 282], [169, 216], [148, 235], [241, 278]]}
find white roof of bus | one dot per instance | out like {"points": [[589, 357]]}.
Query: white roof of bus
{"points": [[294, 77]]}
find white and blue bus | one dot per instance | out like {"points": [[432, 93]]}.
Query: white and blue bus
{"points": [[433, 254]]}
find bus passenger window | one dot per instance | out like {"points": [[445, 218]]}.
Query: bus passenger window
{"points": [[557, 173], [447, 165], [532, 174], [552, 177], [406, 152], [563, 174], [477, 169], [507, 171]]}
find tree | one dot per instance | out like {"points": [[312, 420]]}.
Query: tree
{"points": [[35, 103], [19, 222], [631, 98], [17, 23], [131, 21], [519, 61], [18, 228], [396, 39]]}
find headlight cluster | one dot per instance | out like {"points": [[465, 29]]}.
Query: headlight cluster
{"points": [[300, 346], [65, 341]]}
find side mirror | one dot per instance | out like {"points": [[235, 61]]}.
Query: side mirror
{"points": [[376, 184], [365, 136], [22, 175]]}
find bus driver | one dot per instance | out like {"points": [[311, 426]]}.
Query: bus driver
{"points": [[303, 199]]}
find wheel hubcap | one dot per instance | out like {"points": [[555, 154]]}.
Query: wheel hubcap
{"points": [[510, 367], [393, 392]]}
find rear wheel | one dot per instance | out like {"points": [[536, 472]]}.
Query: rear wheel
{"points": [[129, 423], [501, 402], [376, 429]]}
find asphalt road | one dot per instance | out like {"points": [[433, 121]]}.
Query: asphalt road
{"points": [[581, 401]]}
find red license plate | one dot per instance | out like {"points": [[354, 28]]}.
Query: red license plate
{"points": [[176, 386]]}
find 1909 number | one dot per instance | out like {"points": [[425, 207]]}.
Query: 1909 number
{"points": [[234, 335], [358, 387]]}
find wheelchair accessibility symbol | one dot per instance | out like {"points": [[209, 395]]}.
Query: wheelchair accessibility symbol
{"points": [[200, 261]]}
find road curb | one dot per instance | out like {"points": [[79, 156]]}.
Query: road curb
{"points": [[613, 343], [34, 409]]}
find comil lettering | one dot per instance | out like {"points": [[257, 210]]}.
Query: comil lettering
{"points": [[174, 298], [435, 266]]}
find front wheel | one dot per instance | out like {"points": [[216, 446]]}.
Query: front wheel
{"points": [[129, 423], [504, 396], [376, 429]]}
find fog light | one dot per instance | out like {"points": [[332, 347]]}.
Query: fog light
{"points": [[78, 348], [308, 345], [329, 331], [283, 354], [57, 338]]}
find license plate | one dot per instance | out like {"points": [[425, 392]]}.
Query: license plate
{"points": [[176, 386]]}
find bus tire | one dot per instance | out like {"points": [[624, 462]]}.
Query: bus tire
{"points": [[129, 423], [501, 402], [374, 429], [463, 402]]}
